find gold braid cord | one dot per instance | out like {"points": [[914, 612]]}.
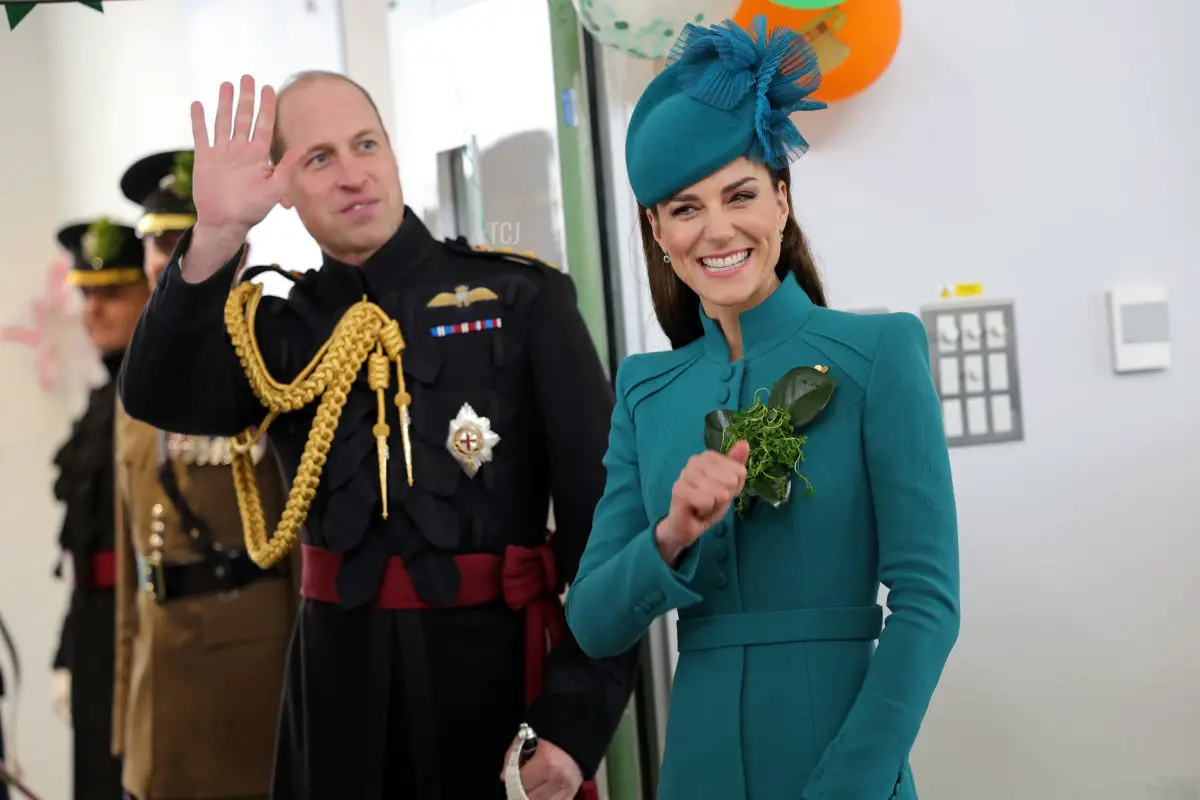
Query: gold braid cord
{"points": [[329, 375]]}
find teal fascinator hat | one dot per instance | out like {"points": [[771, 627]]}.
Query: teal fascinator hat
{"points": [[726, 92]]}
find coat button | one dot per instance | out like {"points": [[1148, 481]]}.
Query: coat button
{"points": [[721, 580], [719, 531], [723, 397], [720, 551], [727, 372]]}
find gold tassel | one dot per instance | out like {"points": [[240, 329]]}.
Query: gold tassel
{"points": [[328, 378], [377, 376], [393, 342]]}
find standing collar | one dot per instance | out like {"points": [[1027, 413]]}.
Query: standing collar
{"points": [[765, 325], [386, 269]]}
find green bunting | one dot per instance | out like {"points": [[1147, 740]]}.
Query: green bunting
{"points": [[19, 11]]}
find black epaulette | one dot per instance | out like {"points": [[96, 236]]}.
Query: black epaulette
{"points": [[527, 258], [248, 274]]}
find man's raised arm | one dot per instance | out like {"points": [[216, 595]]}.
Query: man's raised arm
{"points": [[181, 372]]}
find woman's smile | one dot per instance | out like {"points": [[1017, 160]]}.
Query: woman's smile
{"points": [[725, 265]]}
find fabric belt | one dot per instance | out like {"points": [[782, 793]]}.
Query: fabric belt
{"points": [[103, 574], [524, 578], [855, 623], [222, 573]]}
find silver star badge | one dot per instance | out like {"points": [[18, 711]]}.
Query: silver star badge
{"points": [[471, 439]]}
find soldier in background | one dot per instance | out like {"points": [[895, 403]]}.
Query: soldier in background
{"points": [[161, 184], [202, 630], [107, 268]]}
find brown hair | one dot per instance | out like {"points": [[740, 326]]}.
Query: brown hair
{"points": [[678, 307], [278, 147]]}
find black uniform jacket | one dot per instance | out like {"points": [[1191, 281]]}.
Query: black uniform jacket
{"points": [[84, 486], [447, 683]]}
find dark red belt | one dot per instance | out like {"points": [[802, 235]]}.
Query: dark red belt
{"points": [[525, 578], [103, 574]]}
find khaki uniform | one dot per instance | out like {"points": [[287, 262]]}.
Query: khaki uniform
{"points": [[199, 674]]}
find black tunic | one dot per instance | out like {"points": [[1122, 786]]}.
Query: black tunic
{"points": [[87, 646], [414, 704]]}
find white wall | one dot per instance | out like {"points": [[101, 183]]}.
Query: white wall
{"points": [[1049, 151], [480, 72], [85, 95]]}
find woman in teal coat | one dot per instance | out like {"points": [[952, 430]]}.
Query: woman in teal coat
{"points": [[770, 530]]}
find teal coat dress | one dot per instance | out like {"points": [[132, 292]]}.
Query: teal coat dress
{"points": [[781, 692]]}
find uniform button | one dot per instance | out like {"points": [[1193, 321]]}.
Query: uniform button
{"points": [[157, 510], [156, 541], [722, 553], [721, 580]]}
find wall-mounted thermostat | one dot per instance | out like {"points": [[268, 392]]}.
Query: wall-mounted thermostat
{"points": [[973, 354], [1138, 321]]}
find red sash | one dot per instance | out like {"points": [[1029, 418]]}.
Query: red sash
{"points": [[525, 578], [103, 572]]}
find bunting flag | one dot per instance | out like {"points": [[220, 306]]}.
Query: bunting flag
{"points": [[18, 11]]}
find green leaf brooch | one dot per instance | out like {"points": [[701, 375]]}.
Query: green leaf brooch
{"points": [[770, 429]]}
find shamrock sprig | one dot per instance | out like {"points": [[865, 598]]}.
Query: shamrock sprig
{"points": [[103, 241], [776, 449], [181, 171]]}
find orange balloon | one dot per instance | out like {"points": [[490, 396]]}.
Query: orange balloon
{"points": [[855, 40]]}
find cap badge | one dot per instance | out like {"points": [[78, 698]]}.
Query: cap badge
{"points": [[471, 440]]}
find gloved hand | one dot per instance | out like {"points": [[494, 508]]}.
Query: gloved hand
{"points": [[62, 694]]}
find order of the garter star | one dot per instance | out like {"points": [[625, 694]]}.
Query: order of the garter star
{"points": [[471, 439]]}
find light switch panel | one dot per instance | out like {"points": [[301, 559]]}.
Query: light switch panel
{"points": [[1140, 329], [973, 354]]}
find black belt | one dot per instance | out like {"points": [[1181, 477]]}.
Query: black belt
{"points": [[222, 572]]}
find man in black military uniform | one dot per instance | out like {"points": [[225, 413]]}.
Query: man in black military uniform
{"points": [[458, 396], [107, 268]]}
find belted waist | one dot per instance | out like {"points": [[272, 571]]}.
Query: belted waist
{"points": [[853, 623], [222, 572], [526, 579]]}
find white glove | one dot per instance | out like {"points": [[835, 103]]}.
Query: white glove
{"points": [[62, 694]]}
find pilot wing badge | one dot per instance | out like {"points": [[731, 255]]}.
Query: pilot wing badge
{"points": [[461, 297]]}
